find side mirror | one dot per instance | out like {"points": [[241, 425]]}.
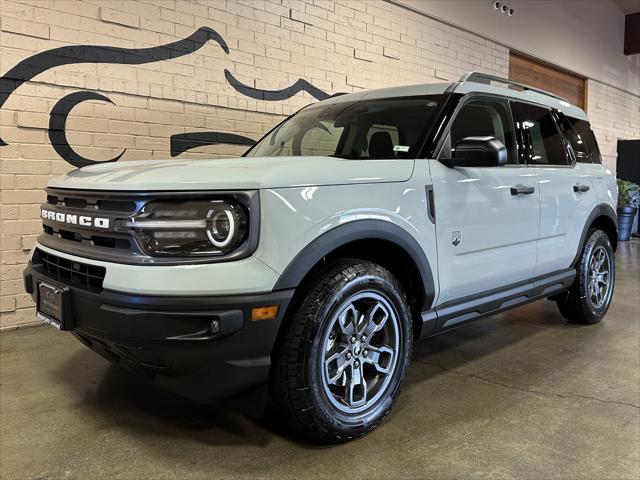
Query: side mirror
{"points": [[478, 152]]}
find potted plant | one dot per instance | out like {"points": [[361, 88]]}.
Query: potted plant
{"points": [[626, 210]]}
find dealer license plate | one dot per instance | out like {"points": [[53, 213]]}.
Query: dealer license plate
{"points": [[50, 304]]}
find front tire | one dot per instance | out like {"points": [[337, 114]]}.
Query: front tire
{"points": [[345, 354], [590, 295]]}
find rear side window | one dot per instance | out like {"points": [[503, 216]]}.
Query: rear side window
{"points": [[583, 141], [542, 141]]}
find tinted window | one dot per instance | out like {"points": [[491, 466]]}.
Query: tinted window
{"points": [[383, 128], [578, 144], [542, 142], [582, 139], [484, 118]]}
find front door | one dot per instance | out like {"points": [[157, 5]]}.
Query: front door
{"points": [[486, 217]]}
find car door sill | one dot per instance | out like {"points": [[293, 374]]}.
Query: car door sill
{"points": [[456, 313]]}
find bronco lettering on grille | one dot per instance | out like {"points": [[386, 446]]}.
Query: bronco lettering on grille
{"points": [[72, 219]]}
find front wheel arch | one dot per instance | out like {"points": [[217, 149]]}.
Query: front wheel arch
{"points": [[369, 240]]}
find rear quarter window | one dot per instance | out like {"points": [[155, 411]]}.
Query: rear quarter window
{"points": [[582, 140]]}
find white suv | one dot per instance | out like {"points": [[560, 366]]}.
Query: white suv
{"points": [[307, 268]]}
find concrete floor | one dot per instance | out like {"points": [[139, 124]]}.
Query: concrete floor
{"points": [[520, 395]]}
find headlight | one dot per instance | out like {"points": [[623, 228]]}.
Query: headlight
{"points": [[189, 228]]}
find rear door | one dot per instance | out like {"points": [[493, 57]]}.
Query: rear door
{"points": [[486, 217], [588, 159], [566, 192]]}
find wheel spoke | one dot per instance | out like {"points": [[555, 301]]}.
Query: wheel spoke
{"points": [[333, 375], [347, 320], [357, 388], [376, 318], [378, 354]]}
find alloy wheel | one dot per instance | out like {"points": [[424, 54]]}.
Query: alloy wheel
{"points": [[360, 352], [599, 287]]}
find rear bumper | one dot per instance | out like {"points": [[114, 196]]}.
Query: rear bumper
{"points": [[174, 341]]}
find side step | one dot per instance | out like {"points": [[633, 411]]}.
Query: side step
{"points": [[454, 314]]}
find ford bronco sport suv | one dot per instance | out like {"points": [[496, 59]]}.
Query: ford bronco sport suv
{"points": [[307, 268]]}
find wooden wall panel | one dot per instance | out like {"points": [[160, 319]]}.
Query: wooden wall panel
{"points": [[541, 75]]}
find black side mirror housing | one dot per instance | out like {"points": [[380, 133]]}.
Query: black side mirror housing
{"points": [[478, 152]]}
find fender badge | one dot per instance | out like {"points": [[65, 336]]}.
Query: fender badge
{"points": [[456, 238]]}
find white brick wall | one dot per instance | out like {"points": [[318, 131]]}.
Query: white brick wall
{"points": [[614, 115], [338, 46]]}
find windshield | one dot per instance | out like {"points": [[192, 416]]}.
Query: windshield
{"points": [[366, 129]]}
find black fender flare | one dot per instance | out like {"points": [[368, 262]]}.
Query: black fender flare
{"points": [[346, 233], [601, 210]]}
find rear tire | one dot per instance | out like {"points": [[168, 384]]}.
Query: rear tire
{"points": [[590, 295], [339, 367]]}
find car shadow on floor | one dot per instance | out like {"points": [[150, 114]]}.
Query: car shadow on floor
{"points": [[129, 402]]}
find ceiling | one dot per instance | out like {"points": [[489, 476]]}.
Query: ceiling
{"points": [[628, 6]]}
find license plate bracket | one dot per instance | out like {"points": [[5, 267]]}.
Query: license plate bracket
{"points": [[54, 306]]}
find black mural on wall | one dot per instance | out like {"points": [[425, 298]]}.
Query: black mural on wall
{"points": [[275, 95], [28, 68], [58, 123], [73, 54]]}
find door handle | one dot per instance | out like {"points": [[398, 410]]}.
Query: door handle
{"points": [[522, 190], [579, 187]]}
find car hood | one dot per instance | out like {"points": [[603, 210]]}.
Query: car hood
{"points": [[233, 173]]}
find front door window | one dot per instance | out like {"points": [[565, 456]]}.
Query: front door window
{"points": [[484, 118]]}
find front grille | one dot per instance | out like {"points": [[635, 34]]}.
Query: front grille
{"points": [[86, 240], [106, 241], [70, 272], [90, 202]]}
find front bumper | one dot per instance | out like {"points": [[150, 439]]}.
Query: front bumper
{"points": [[170, 340]]}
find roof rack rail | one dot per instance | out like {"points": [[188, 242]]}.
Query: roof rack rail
{"points": [[479, 77]]}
